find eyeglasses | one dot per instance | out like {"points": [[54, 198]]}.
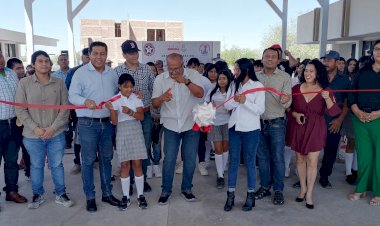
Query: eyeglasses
{"points": [[376, 49], [175, 70]]}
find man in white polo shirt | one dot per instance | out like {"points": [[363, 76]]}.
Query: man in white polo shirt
{"points": [[177, 91]]}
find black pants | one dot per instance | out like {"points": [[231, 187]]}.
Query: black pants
{"points": [[10, 140], [202, 146], [329, 156]]}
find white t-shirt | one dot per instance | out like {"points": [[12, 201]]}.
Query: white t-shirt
{"points": [[132, 102]]}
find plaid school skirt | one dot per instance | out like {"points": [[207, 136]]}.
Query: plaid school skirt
{"points": [[130, 143]]}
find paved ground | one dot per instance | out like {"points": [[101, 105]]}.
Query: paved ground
{"points": [[331, 206]]}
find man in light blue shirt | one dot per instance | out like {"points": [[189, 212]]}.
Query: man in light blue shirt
{"points": [[92, 84], [64, 68]]}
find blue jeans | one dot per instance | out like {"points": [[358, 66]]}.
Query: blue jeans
{"points": [[95, 135], [54, 148], [270, 155], [248, 142], [172, 140]]}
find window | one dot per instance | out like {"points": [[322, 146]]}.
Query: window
{"points": [[10, 50], [160, 35], [117, 29], [155, 35], [150, 36]]}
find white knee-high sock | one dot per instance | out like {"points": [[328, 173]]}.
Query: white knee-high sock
{"points": [[139, 185], [288, 156], [125, 182], [219, 164], [349, 157], [355, 161], [225, 160]]}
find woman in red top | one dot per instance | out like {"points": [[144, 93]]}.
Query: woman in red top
{"points": [[307, 126]]}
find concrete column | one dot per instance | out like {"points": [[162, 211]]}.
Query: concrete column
{"points": [[284, 24], [359, 48], [28, 13], [70, 29], [284, 18], [325, 5]]}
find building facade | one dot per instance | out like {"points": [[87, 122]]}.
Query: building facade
{"points": [[114, 33], [11, 41], [353, 26]]}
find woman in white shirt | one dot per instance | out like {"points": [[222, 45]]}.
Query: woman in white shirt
{"points": [[219, 132], [244, 129]]}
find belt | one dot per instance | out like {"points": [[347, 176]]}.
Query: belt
{"points": [[107, 119], [8, 121], [269, 121]]}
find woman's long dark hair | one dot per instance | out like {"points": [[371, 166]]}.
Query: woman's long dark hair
{"points": [[229, 78], [356, 69], [208, 68], [321, 73], [246, 69]]}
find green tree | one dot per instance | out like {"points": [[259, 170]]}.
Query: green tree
{"points": [[303, 51], [234, 53]]}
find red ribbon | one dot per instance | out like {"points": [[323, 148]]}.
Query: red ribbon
{"points": [[273, 90], [47, 106], [270, 89]]}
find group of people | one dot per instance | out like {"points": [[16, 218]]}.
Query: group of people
{"points": [[131, 106]]}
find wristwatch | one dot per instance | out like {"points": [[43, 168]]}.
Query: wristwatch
{"points": [[188, 82]]}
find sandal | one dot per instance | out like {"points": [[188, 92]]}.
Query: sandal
{"points": [[375, 201], [356, 196]]}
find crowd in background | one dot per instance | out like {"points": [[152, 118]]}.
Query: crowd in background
{"points": [[134, 110]]}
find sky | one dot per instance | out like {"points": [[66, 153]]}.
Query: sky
{"points": [[241, 23]]}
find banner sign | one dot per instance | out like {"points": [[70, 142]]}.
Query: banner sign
{"points": [[152, 51]]}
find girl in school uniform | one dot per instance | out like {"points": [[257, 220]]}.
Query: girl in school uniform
{"points": [[126, 112], [219, 132]]}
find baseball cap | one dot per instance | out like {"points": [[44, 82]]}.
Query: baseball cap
{"points": [[129, 46], [332, 55], [276, 46]]}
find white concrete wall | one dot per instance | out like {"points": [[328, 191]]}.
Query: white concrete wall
{"points": [[334, 29], [305, 28], [343, 49], [364, 17]]}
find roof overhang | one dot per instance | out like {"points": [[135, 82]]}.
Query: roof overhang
{"points": [[20, 38]]}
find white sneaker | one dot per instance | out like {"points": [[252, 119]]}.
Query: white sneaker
{"points": [[37, 200], [202, 167], [149, 172], [75, 170], [157, 171], [287, 172], [63, 200], [179, 169]]}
